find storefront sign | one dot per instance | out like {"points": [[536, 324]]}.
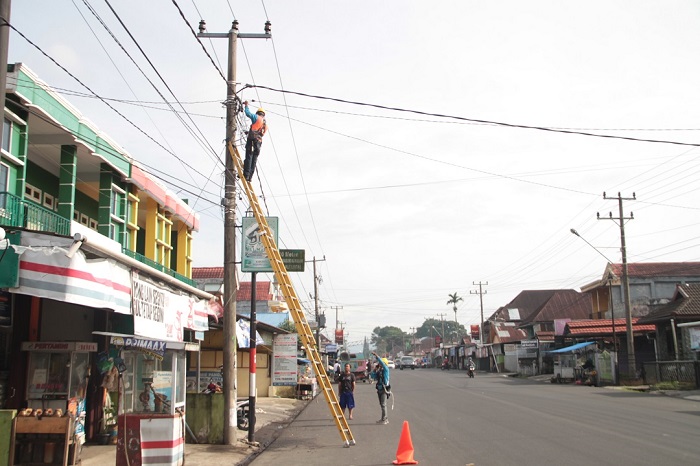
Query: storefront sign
{"points": [[59, 346], [163, 314], [529, 344], [152, 347], [284, 362]]}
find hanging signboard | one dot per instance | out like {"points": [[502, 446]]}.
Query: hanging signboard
{"points": [[253, 255], [293, 259]]}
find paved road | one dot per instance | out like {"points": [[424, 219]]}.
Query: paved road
{"points": [[496, 420]]}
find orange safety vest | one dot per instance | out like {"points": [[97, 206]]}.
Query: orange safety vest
{"points": [[259, 127]]}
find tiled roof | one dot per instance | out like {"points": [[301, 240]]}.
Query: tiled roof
{"points": [[263, 291], [659, 269], [205, 273], [685, 305], [605, 327]]}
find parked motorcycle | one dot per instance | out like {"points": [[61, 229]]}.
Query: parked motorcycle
{"points": [[445, 365], [243, 414]]}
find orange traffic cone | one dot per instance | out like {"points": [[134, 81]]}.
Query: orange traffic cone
{"points": [[404, 454]]}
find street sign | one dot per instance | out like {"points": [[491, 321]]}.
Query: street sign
{"points": [[293, 259], [253, 254], [529, 344]]}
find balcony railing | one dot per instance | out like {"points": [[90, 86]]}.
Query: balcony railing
{"points": [[15, 212], [160, 267], [18, 213]]}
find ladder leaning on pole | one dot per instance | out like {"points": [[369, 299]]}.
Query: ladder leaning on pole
{"points": [[290, 296]]}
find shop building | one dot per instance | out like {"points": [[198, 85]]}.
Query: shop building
{"points": [[98, 311]]}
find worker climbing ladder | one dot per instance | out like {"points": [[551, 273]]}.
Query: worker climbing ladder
{"points": [[290, 296]]}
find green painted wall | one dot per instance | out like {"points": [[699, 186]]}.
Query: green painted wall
{"points": [[38, 96], [6, 418], [205, 416]]}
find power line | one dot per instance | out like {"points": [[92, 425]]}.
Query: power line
{"points": [[496, 123]]}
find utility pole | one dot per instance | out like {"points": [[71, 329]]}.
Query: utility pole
{"points": [[229, 204], [442, 320], [336, 315], [481, 294], [631, 359], [317, 280]]}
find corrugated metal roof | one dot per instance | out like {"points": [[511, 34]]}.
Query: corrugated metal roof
{"points": [[659, 269], [685, 305], [547, 305]]}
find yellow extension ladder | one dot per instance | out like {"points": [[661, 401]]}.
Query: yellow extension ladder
{"points": [[290, 296]]}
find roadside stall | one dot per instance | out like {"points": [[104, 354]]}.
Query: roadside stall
{"points": [[566, 368], [150, 400], [52, 427], [307, 387]]}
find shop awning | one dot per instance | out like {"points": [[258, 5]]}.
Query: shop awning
{"points": [[572, 347]]}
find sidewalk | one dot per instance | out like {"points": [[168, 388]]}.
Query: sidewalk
{"points": [[272, 415]]}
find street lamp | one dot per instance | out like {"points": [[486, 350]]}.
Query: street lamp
{"points": [[630, 335]]}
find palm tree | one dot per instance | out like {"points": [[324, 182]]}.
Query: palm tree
{"points": [[454, 299]]}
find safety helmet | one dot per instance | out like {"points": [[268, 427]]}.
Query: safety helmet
{"points": [[260, 110]]}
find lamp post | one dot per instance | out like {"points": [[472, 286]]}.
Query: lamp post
{"points": [[612, 306]]}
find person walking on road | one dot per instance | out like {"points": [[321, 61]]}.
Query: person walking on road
{"points": [[257, 130], [346, 389], [381, 375]]}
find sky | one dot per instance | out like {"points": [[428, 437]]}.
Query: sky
{"points": [[415, 149]]}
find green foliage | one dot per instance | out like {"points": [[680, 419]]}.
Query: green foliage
{"points": [[288, 326]]}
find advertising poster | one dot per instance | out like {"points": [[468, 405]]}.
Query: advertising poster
{"points": [[284, 362]]}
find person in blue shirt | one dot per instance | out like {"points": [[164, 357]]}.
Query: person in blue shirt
{"points": [[257, 130], [381, 375]]}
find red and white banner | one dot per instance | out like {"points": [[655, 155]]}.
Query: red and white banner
{"points": [[46, 272]]}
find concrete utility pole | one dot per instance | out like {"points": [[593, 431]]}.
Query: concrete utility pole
{"points": [[5, 7], [481, 294], [336, 315], [631, 359], [229, 204], [317, 280], [442, 320]]}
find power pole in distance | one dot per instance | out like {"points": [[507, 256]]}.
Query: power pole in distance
{"points": [[336, 315], [317, 280], [481, 294], [631, 359], [229, 204]]}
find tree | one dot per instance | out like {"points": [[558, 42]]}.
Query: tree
{"points": [[288, 325], [386, 338], [454, 299]]}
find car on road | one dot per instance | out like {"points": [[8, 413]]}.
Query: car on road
{"points": [[390, 364], [406, 362]]}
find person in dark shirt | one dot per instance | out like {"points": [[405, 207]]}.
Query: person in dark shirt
{"points": [[346, 389], [381, 375]]}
